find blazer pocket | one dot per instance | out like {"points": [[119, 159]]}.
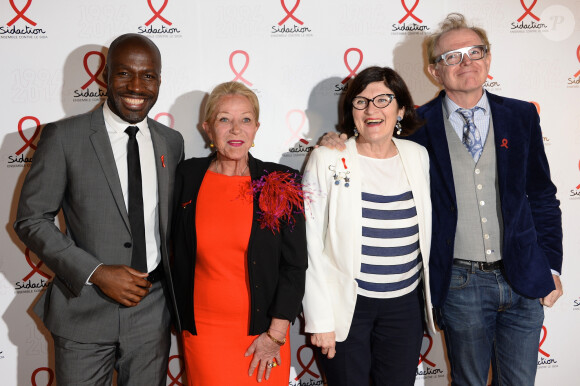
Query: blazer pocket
{"points": [[526, 238]]}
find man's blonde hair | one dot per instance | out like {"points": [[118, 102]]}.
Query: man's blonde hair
{"points": [[453, 21]]}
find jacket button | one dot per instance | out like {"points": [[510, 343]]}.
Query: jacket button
{"points": [[257, 310], [452, 209], [448, 241], [254, 262], [127, 245]]}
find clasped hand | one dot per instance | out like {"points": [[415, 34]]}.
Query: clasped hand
{"points": [[123, 284]]}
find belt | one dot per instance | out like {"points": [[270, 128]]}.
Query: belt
{"points": [[481, 265], [157, 274]]}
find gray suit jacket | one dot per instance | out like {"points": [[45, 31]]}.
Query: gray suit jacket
{"points": [[74, 170]]}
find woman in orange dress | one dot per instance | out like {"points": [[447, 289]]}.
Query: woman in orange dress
{"points": [[239, 251]]}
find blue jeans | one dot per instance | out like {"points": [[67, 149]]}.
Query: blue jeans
{"points": [[485, 321]]}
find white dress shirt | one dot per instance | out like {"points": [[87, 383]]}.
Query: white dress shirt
{"points": [[116, 130], [481, 117]]}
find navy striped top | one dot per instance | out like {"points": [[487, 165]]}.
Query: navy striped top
{"points": [[391, 261]]}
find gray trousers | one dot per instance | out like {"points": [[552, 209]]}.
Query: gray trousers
{"points": [[139, 355]]}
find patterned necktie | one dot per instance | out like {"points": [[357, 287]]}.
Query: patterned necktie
{"points": [[471, 135], [136, 216]]}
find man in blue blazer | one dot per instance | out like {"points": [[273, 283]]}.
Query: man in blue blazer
{"points": [[496, 253], [103, 311]]}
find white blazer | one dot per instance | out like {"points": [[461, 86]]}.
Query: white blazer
{"points": [[334, 233]]}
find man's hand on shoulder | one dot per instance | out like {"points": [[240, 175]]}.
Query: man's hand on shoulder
{"points": [[334, 141], [550, 300], [121, 283]]}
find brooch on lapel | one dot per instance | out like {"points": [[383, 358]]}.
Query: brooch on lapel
{"points": [[340, 175], [163, 161], [504, 143], [185, 204], [280, 197]]}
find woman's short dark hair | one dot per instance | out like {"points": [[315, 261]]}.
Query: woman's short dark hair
{"points": [[392, 80]]}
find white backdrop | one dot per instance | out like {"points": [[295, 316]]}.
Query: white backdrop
{"points": [[296, 56]]}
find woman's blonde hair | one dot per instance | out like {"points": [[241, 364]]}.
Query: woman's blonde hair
{"points": [[229, 88]]}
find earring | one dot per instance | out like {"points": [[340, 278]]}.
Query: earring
{"points": [[355, 132], [398, 125], [211, 145], [253, 144]]}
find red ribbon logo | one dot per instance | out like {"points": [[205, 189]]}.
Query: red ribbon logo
{"points": [[578, 56], [544, 335], [157, 14], [40, 369], [20, 13], [35, 267], [578, 187], [97, 73], [352, 72], [423, 357], [305, 368], [169, 116], [295, 133], [28, 142], [239, 74], [528, 11], [410, 12], [290, 14], [504, 143], [175, 379]]}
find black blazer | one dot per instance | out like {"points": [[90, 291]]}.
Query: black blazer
{"points": [[277, 261]]}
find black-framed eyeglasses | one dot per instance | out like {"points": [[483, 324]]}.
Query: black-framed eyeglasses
{"points": [[451, 58], [380, 101]]}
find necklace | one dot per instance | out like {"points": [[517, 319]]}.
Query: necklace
{"points": [[217, 169]]}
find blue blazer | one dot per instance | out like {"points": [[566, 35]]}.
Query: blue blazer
{"points": [[532, 220]]}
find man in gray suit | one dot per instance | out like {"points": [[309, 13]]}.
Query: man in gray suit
{"points": [[104, 314]]}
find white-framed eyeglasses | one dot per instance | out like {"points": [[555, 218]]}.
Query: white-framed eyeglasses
{"points": [[451, 58], [380, 101]]}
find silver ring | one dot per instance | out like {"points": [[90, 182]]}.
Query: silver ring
{"points": [[270, 365]]}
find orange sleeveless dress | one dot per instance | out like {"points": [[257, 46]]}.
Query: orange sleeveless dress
{"points": [[215, 356]]}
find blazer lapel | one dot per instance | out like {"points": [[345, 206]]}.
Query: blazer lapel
{"points": [[351, 212], [414, 171], [104, 152], [439, 145], [411, 165], [160, 150], [501, 123]]}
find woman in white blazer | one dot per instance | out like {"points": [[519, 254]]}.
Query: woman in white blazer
{"points": [[368, 225]]}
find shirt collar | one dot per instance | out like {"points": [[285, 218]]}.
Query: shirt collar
{"points": [[118, 125], [451, 107]]}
